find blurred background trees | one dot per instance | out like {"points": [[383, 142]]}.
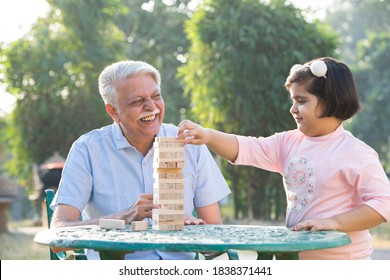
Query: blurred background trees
{"points": [[364, 31], [223, 64], [240, 55]]}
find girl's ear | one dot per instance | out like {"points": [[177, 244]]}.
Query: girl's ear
{"points": [[112, 111]]}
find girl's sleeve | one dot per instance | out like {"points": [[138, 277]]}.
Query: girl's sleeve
{"points": [[366, 174], [268, 153]]}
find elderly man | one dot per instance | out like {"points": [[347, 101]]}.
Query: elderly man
{"points": [[109, 171]]}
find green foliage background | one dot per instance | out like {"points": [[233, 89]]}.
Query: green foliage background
{"points": [[240, 55]]}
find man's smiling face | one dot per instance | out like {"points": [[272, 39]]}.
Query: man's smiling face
{"points": [[141, 108]]}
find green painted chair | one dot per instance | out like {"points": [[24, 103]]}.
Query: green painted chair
{"points": [[77, 254]]}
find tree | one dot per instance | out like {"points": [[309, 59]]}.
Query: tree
{"points": [[240, 55], [364, 28], [372, 124], [154, 31], [353, 20], [53, 70]]}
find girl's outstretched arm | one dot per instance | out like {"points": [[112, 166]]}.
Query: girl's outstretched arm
{"points": [[223, 144]]}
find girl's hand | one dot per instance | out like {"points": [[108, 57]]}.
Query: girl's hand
{"points": [[317, 224], [223, 144], [190, 220], [192, 133]]}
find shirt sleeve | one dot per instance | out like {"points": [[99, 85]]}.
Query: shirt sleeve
{"points": [[365, 172], [263, 152], [76, 182]]}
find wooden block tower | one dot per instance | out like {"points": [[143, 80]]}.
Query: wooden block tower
{"points": [[168, 188]]}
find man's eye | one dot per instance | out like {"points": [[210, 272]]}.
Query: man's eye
{"points": [[136, 102], [156, 96]]}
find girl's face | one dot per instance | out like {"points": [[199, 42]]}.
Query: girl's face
{"points": [[306, 110]]}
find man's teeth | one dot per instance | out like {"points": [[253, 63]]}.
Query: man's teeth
{"points": [[148, 118]]}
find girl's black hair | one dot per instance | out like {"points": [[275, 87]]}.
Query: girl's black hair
{"points": [[337, 90]]}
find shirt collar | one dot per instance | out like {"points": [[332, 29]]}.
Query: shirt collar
{"points": [[339, 131], [121, 141]]}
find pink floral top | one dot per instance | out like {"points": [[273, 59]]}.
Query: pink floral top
{"points": [[323, 176]]}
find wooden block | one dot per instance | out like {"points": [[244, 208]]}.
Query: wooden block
{"points": [[168, 196], [173, 144], [175, 176], [171, 164], [168, 165], [159, 145], [159, 165], [168, 151], [112, 223], [177, 164], [169, 159], [168, 227], [167, 212], [168, 181], [168, 175], [169, 206], [164, 185], [180, 154], [139, 225], [168, 142], [166, 170], [169, 139], [159, 219], [166, 154], [167, 201], [157, 190], [168, 185], [179, 185], [168, 222]]}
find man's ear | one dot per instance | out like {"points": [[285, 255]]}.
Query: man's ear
{"points": [[112, 111]]}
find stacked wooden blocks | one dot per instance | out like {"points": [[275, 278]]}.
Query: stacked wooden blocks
{"points": [[168, 188]]}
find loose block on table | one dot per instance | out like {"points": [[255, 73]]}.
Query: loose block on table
{"points": [[139, 225], [112, 223]]}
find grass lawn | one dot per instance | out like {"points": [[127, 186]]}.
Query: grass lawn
{"points": [[18, 243]]}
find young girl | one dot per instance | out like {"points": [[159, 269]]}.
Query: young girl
{"points": [[333, 181]]}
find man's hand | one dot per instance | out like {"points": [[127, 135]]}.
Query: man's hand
{"points": [[140, 210]]}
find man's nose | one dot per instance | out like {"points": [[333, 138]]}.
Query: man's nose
{"points": [[149, 103]]}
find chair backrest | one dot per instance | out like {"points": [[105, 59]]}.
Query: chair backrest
{"points": [[78, 254], [49, 195]]}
